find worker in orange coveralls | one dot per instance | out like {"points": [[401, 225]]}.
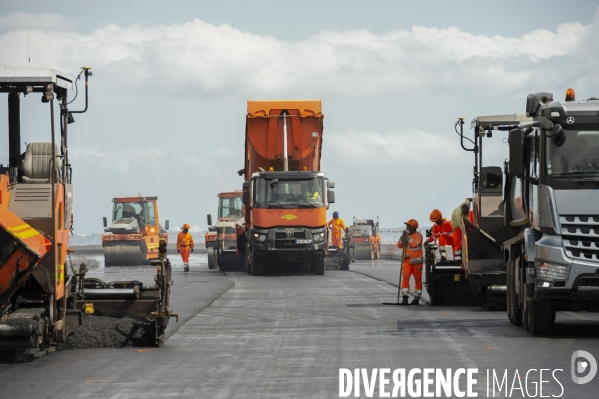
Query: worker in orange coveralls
{"points": [[336, 225], [412, 240], [185, 245], [461, 212], [441, 231]]}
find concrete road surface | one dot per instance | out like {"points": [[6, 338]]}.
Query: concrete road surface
{"points": [[289, 336]]}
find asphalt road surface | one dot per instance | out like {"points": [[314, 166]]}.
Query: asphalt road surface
{"points": [[288, 336]]}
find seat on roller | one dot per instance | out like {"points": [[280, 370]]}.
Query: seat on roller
{"points": [[37, 163]]}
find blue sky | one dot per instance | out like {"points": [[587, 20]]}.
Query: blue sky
{"points": [[167, 99]]}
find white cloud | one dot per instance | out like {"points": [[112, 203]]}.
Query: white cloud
{"points": [[198, 59], [412, 146], [126, 161]]}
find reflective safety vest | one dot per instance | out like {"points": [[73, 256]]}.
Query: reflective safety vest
{"points": [[312, 195], [414, 249], [441, 232], [184, 240]]}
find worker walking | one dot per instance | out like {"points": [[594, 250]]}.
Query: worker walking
{"points": [[412, 241], [459, 213], [185, 245], [441, 231], [337, 225]]}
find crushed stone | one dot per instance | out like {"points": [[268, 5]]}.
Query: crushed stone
{"points": [[98, 331]]}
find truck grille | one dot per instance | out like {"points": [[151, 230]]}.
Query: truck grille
{"points": [[286, 239], [581, 237]]}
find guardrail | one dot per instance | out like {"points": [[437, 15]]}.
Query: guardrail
{"points": [[391, 235], [75, 240]]}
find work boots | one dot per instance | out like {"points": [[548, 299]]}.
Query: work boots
{"points": [[405, 300], [186, 267], [415, 301]]}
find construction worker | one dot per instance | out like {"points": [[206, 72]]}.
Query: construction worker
{"points": [[459, 213], [336, 225], [184, 245], [412, 241], [441, 231]]}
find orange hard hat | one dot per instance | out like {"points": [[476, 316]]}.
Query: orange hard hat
{"points": [[435, 215], [186, 226], [412, 222]]}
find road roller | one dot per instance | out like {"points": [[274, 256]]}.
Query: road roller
{"points": [[132, 238]]}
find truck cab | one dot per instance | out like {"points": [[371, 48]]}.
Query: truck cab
{"points": [[288, 217], [552, 205]]}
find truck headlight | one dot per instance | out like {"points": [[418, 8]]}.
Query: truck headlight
{"points": [[317, 237], [551, 271], [260, 237]]}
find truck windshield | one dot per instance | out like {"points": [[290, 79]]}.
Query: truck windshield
{"points": [[230, 207], [289, 193], [573, 153]]}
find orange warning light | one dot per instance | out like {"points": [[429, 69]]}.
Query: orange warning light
{"points": [[570, 95]]}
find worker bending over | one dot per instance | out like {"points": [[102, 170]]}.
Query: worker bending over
{"points": [[337, 225], [411, 240], [441, 231], [185, 245], [459, 213]]}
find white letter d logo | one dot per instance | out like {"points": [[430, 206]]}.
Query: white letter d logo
{"points": [[579, 366]]}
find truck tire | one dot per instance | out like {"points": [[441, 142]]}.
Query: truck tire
{"points": [[258, 266], [212, 261], [318, 266], [514, 313], [540, 316], [248, 259]]}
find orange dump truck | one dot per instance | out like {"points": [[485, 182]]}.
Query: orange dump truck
{"points": [[132, 238], [221, 239], [285, 194]]}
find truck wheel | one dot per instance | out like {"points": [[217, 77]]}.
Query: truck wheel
{"points": [[318, 266], [540, 316], [212, 261], [514, 313], [258, 266], [248, 259]]}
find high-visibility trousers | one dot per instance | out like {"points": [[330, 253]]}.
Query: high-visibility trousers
{"points": [[336, 237], [185, 253], [407, 270], [456, 239]]}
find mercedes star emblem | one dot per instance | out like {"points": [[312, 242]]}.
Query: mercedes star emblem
{"points": [[570, 120]]}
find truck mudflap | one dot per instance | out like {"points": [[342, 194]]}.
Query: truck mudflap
{"points": [[21, 248]]}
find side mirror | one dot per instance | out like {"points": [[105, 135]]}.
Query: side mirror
{"points": [[331, 184], [246, 197], [516, 162], [166, 225], [331, 196], [105, 221], [209, 218], [246, 184]]}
